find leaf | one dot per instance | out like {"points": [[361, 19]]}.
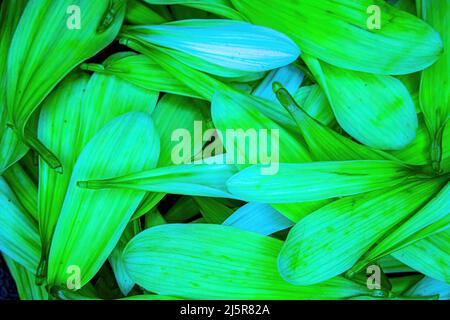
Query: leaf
{"points": [[86, 219], [376, 110], [412, 230], [225, 48], [313, 101], [154, 218], [203, 180], [19, 237], [25, 282], [435, 87], [24, 189], [428, 287], [116, 262], [78, 108], [391, 265], [338, 33], [213, 210], [316, 180], [196, 261], [143, 72], [202, 84], [429, 256], [11, 150], [185, 115], [418, 151], [139, 13], [445, 163], [240, 111], [274, 144], [290, 76], [330, 241], [184, 209], [44, 50], [222, 8], [258, 217], [324, 143]]}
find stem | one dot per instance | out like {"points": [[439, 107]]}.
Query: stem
{"points": [[46, 155], [91, 184], [436, 150], [288, 102], [94, 67], [41, 272]]}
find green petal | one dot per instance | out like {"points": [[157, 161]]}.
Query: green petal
{"points": [[376, 110], [429, 256], [258, 217], [183, 210], [115, 259], [316, 181], [202, 84], [435, 87], [212, 210], [203, 180], [445, 163], [138, 13], [330, 241], [11, 149], [337, 32], [206, 262], [44, 50], [391, 265], [289, 76], [143, 72], [222, 47], [78, 108], [324, 143], [222, 8], [131, 136], [19, 237], [428, 287], [25, 282], [314, 102], [238, 111], [418, 151], [420, 225], [24, 188]]}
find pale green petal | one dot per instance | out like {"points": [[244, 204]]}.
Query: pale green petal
{"points": [[316, 181], [86, 219], [204, 180], [435, 85], [24, 188], [139, 13], [221, 47], [11, 149], [336, 31], [420, 225], [376, 110], [44, 49], [197, 261], [429, 256], [19, 237], [78, 108], [329, 241], [258, 217], [25, 282], [222, 8]]}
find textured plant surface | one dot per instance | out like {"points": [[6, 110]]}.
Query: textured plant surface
{"points": [[225, 149]]}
